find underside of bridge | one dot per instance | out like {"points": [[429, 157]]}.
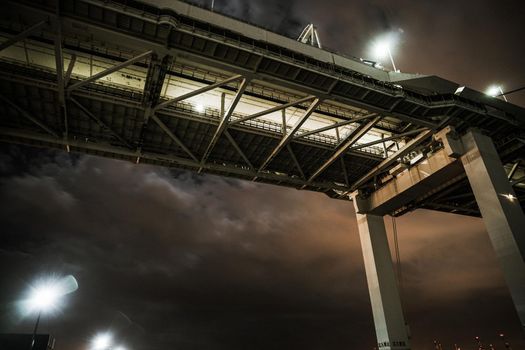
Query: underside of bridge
{"points": [[180, 86]]}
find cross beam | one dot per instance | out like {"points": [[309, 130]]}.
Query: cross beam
{"points": [[109, 71], [273, 109], [393, 158], [223, 124], [28, 116], [100, 122], [336, 125], [349, 142], [22, 35], [197, 92], [288, 137]]}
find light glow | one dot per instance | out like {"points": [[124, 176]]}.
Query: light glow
{"points": [[495, 91], [45, 294], [102, 341], [382, 48], [200, 108], [510, 197]]}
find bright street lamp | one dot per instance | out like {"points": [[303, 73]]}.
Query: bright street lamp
{"points": [[382, 48], [496, 91], [102, 341], [44, 297]]}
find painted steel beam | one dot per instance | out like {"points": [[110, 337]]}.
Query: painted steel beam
{"points": [[28, 116], [238, 149], [109, 71], [288, 137], [100, 122], [223, 124], [172, 136], [22, 35], [227, 169], [67, 76], [391, 138], [349, 142], [272, 110], [393, 158], [198, 92], [296, 162], [336, 125]]}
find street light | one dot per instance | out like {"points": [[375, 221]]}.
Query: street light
{"points": [[44, 297], [102, 341], [495, 91], [382, 48]]}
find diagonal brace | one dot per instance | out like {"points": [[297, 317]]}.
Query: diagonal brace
{"points": [[26, 115], [109, 71], [100, 122], [288, 138], [273, 109], [22, 35], [349, 142], [197, 92], [223, 124]]}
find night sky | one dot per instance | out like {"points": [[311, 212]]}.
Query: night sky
{"points": [[168, 259]]}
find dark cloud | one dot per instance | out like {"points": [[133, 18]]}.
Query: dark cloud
{"points": [[173, 261]]}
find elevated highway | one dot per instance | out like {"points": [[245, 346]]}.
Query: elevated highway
{"points": [[174, 85]]}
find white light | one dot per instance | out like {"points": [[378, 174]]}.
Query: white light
{"points": [[494, 90], [45, 293], [510, 197], [120, 347], [44, 297], [200, 108], [102, 341], [381, 49]]}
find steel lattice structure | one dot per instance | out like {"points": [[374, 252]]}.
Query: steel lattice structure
{"points": [[188, 88]]}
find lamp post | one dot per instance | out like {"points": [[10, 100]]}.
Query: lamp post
{"points": [[382, 48], [496, 91], [44, 298]]}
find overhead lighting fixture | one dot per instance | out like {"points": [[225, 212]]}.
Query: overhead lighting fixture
{"points": [[383, 46], [495, 91]]}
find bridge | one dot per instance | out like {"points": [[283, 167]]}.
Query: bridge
{"points": [[175, 85]]}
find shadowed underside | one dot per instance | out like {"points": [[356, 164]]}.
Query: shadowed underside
{"points": [[187, 88]]}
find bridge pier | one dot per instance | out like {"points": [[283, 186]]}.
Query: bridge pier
{"points": [[501, 212], [390, 326]]}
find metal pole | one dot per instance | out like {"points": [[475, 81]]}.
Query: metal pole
{"points": [[502, 93], [212, 4], [392, 59], [34, 331]]}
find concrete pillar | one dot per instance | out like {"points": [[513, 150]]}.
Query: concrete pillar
{"points": [[501, 211], [391, 330]]}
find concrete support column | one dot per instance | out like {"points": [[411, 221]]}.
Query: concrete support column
{"points": [[391, 330], [501, 211]]}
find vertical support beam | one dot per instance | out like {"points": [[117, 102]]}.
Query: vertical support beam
{"points": [[283, 127], [501, 211], [391, 329]]}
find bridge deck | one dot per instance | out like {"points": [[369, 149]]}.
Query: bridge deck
{"points": [[234, 100]]}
